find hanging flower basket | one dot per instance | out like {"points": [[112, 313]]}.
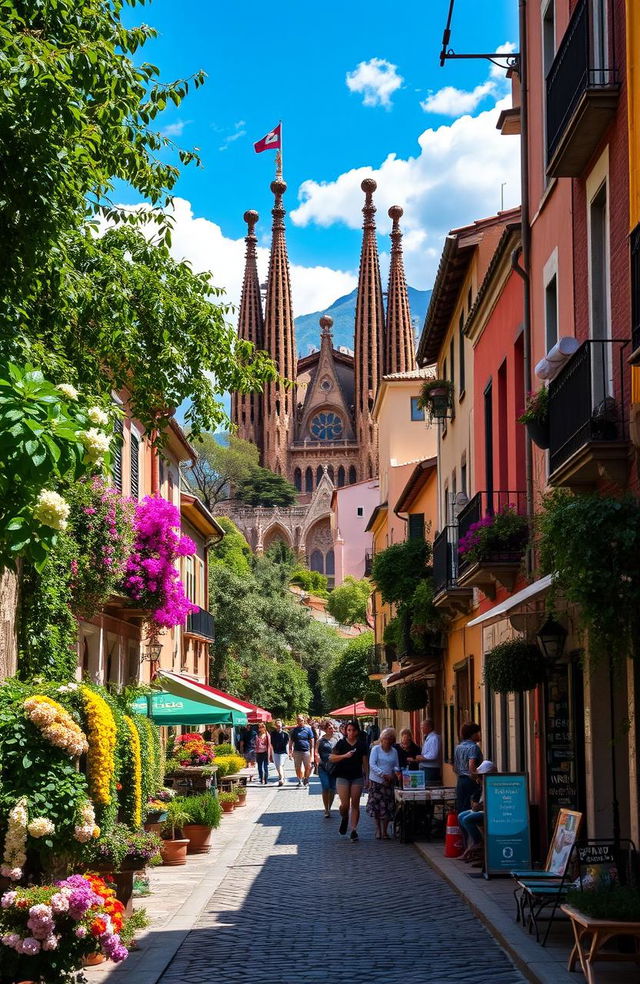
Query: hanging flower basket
{"points": [[536, 417], [436, 399], [392, 698], [411, 696], [514, 666]]}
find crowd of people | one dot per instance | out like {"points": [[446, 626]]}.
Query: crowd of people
{"points": [[349, 761]]}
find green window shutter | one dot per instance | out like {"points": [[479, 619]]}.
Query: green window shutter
{"points": [[416, 526]]}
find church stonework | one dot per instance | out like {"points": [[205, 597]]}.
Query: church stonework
{"points": [[318, 432]]}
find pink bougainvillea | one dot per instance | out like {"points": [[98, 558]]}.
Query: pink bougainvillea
{"points": [[152, 579]]}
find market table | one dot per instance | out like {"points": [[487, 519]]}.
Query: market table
{"points": [[435, 801], [591, 935]]}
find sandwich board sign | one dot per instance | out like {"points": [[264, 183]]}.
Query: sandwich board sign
{"points": [[507, 838]]}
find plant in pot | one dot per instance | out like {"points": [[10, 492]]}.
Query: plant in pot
{"points": [[610, 901], [204, 816], [241, 793], [228, 801], [514, 666], [392, 698], [502, 536], [121, 853], [225, 749], [536, 417], [174, 845], [436, 399], [193, 750]]}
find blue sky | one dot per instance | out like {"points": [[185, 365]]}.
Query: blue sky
{"points": [[359, 90]]}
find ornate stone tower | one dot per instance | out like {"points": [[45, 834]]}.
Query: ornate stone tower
{"points": [[246, 408], [280, 343], [369, 338], [399, 347]]}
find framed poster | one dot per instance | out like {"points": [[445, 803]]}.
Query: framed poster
{"points": [[564, 837], [413, 779], [507, 838]]}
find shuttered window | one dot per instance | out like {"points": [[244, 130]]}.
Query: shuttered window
{"points": [[135, 466], [117, 455], [416, 526]]}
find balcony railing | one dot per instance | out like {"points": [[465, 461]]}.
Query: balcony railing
{"points": [[368, 563], [584, 406], [445, 560], [581, 91], [201, 623], [378, 663], [488, 504]]}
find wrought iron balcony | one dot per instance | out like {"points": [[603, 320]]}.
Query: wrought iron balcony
{"points": [[378, 665], [588, 429], [201, 623], [582, 92], [448, 593], [496, 556]]}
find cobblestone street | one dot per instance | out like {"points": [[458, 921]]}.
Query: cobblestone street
{"points": [[302, 905]]}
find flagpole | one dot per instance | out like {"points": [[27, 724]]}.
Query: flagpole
{"points": [[279, 155]]}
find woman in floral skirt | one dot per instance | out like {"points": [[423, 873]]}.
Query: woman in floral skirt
{"points": [[384, 767]]}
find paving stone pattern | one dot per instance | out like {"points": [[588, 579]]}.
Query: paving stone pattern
{"points": [[302, 905]]}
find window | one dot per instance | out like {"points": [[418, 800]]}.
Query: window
{"points": [[318, 474], [461, 383], [134, 451], [341, 477], [316, 562], [360, 511], [452, 348], [488, 441], [551, 311], [415, 526], [326, 426], [353, 478], [548, 36], [308, 480], [463, 475], [330, 472], [297, 479], [117, 455], [416, 412], [599, 292]]}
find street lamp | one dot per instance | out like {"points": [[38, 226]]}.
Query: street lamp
{"points": [[551, 639], [152, 652]]}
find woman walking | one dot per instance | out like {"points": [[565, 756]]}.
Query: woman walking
{"points": [[263, 752], [384, 767], [350, 758], [324, 746]]}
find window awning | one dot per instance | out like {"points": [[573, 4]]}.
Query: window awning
{"points": [[167, 709], [504, 607]]}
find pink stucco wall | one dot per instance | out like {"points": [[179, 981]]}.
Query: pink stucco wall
{"points": [[348, 527]]}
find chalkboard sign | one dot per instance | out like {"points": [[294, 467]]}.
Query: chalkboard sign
{"points": [[507, 841]]}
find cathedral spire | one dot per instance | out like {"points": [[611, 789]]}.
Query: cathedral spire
{"points": [[369, 338], [246, 408], [280, 343], [399, 349]]}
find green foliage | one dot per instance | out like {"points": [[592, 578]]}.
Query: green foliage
{"points": [[436, 397], [264, 488], [425, 617], [348, 602], [537, 408], [228, 765], [312, 581], [397, 570], [229, 797], [375, 696], [137, 921], [514, 666], [47, 629], [577, 532], [224, 462], [411, 696], [502, 535], [204, 810], [124, 846], [392, 698], [620, 903], [348, 678], [232, 551], [42, 443], [177, 816], [225, 749]]}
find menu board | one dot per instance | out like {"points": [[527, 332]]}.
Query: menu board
{"points": [[562, 787], [507, 840]]}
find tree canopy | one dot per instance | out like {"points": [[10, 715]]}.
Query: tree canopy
{"points": [[232, 551], [347, 680], [224, 461], [264, 488], [348, 602]]}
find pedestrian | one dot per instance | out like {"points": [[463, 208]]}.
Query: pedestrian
{"points": [[326, 744], [249, 748], [302, 749], [350, 758], [430, 756], [279, 744], [407, 750], [223, 737], [471, 821], [263, 753], [466, 759], [384, 771], [373, 732]]}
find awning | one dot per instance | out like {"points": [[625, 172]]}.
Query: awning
{"points": [[168, 709], [183, 686], [357, 709], [504, 607]]}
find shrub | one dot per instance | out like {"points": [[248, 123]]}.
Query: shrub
{"points": [[411, 696], [392, 698], [229, 797], [203, 810], [228, 765], [502, 534], [619, 902], [514, 666], [224, 750]]}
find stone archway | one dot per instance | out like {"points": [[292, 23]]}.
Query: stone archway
{"points": [[275, 534], [318, 548]]}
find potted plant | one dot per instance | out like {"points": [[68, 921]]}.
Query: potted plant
{"points": [[436, 399], [514, 666], [392, 698], [123, 852], [156, 809], [174, 846], [536, 417], [610, 901], [241, 792], [193, 750], [204, 816], [501, 537], [228, 801]]}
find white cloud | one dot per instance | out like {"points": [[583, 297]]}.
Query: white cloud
{"points": [[450, 101], [376, 79], [454, 179], [236, 134], [497, 71], [175, 129]]}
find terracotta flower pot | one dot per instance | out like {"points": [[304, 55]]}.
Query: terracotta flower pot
{"points": [[199, 838], [93, 960], [174, 851], [228, 807], [242, 800]]}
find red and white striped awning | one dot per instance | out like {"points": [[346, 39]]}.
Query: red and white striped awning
{"points": [[184, 686]]}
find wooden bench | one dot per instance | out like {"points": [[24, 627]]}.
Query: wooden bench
{"points": [[227, 783], [591, 935]]}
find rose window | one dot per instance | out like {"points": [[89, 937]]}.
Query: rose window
{"points": [[326, 426]]}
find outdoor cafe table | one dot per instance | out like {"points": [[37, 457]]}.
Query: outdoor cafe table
{"points": [[591, 935], [433, 802]]}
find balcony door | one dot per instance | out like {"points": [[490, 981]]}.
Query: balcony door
{"points": [[599, 295], [600, 42]]}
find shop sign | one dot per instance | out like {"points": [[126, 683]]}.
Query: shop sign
{"points": [[507, 838]]}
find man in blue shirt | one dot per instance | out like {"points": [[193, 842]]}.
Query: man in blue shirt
{"points": [[302, 747]]}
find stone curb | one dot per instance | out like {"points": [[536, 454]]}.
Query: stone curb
{"points": [[533, 960]]}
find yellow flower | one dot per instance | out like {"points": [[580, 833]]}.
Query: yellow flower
{"points": [[56, 725], [136, 759], [102, 744]]}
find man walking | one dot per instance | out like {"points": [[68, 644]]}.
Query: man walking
{"points": [[302, 747], [429, 759], [279, 744]]}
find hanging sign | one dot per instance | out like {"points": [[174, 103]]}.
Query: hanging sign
{"points": [[507, 839]]}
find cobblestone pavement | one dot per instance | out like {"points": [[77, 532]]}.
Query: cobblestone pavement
{"points": [[305, 906]]}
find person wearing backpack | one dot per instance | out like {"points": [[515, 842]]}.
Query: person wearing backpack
{"points": [[324, 748]]}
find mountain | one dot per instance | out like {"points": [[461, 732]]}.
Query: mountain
{"points": [[343, 312]]}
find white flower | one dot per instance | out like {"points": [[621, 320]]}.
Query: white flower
{"points": [[40, 827], [68, 390], [52, 510], [96, 443], [98, 416]]}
